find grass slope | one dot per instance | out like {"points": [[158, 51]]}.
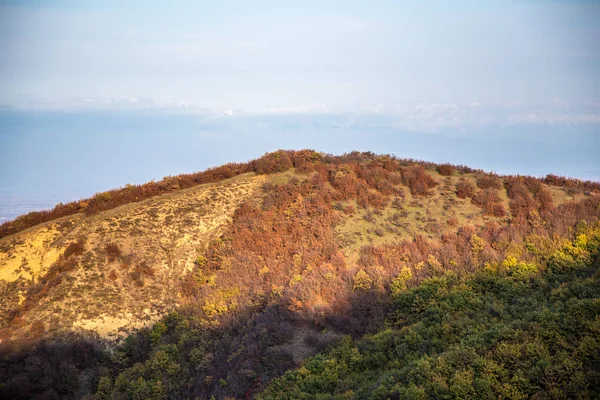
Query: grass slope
{"points": [[131, 259], [236, 282]]}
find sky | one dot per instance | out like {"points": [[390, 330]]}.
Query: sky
{"points": [[256, 55], [96, 94]]}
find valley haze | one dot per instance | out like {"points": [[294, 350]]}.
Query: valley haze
{"points": [[65, 152]]}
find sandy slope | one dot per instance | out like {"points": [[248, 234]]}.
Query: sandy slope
{"points": [[162, 236]]}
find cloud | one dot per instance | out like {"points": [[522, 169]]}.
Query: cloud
{"points": [[428, 117], [437, 116]]}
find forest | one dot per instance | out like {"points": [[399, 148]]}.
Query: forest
{"points": [[502, 301]]}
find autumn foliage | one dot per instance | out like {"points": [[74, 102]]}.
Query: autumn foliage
{"points": [[487, 181], [490, 202], [418, 180], [464, 189], [380, 172], [278, 271]]}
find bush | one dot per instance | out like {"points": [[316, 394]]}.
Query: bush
{"points": [[464, 189], [136, 276], [74, 249], [446, 169], [398, 284], [518, 269], [362, 281], [113, 252], [489, 201], [145, 269], [477, 244], [418, 181], [488, 181]]}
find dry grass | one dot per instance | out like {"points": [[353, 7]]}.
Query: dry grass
{"points": [[160, 236], [420, 214], [561, 195], [30, 253], [136, 255]]}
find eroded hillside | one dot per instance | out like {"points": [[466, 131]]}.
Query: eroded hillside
{"points": [[126, 263]]}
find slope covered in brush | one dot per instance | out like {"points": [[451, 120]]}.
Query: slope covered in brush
{"points": [[508, 331], [321, 247]]}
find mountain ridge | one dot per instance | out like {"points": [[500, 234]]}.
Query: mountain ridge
{"points": [[216, 289]]}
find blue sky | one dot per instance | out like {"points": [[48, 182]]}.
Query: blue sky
{"points": [[255, 55], [97, 94]]}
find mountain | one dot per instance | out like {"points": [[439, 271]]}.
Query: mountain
{"points": [[410, 279]]}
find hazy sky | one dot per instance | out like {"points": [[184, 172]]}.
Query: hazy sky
{"points": [[255, 55], [97, 94]]}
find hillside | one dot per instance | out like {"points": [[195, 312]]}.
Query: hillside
{"points": [[122, 265], [509, 331], [217, 282]]}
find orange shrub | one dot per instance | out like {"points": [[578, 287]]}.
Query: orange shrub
{"points": [[113, 252], [446, 169], [489, 181], [488, 199], [418, 180], [464, 189]]}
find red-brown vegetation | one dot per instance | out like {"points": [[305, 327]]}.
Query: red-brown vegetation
{"points": [[452, 222], [522, 203], [270, 163], [575, 184], [113, 275], [281, 260], [113, 252], [464, 189], [490, 202], [418, 180], [445, 169], [487, 181], [304, 161], [37, 329], [144, 269]]}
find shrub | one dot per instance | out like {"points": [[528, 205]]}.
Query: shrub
{"points": [[418, 181], [575, 184], [477, 244], [136, 276], [349, 209], [544, 200], [74, 249], [435, 267], [518, 269], [362, 281], [464, 189], [112, 275], [488, 181], [200, 261], [270, 163], [446, 169], [498, 210], [398, 284], [113, 252], [489, 201], [37, 329], [145, 269], [561, 262], [452, 222]]}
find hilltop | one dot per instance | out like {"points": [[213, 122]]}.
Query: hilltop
{"points": [[215, 283]]}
